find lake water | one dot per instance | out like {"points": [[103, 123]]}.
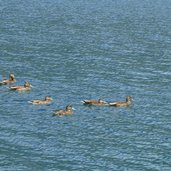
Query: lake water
{"points": [[76, 50]]}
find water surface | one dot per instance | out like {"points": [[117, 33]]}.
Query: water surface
{"points": [[75, 50]]}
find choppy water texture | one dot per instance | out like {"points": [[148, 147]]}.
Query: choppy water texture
{"points": [[75, 50]]}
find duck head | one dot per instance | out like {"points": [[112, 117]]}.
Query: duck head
{"points": [[129, 99], [69, 108], [11, 77], [27, 84], [48, 98]]}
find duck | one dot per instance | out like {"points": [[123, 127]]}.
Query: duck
{"points": [[27, 86], [45, 101], [61, 112], [10, 80], [98, 102], [128, 102]]}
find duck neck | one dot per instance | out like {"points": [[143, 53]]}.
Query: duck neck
{"points": [[25, 85], [12, 79]]}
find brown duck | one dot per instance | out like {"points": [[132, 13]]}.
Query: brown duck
{"points": [[10, 80], [120, 104], [27, 86], [45, 101], [61, 112], [98, 102]]}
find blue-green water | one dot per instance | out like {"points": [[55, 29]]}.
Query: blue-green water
{"points": [[75, 50]]}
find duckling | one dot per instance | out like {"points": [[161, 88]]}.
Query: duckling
{"points": [[98, 102], [27, 86], [128, 102], [45, 101], [61, 112], [10, 80]]}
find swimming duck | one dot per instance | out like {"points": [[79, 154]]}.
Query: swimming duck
{"points": [[98, 102], [67, 111], [120, 104], [46, 100], [27, 86], [10, 80]]}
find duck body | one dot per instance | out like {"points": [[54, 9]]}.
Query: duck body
{"points": [[26, 87], [120, 104], [9, 81], [61, 112], [47, 100], [95, 102]]}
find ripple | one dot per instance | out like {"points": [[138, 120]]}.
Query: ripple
{"points": [[86, 50]]}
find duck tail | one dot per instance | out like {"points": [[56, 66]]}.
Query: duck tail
{"points": [[1, 83], [53, 114], [8, 87]]}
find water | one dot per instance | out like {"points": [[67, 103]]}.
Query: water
{"points": [[76, 50]]}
